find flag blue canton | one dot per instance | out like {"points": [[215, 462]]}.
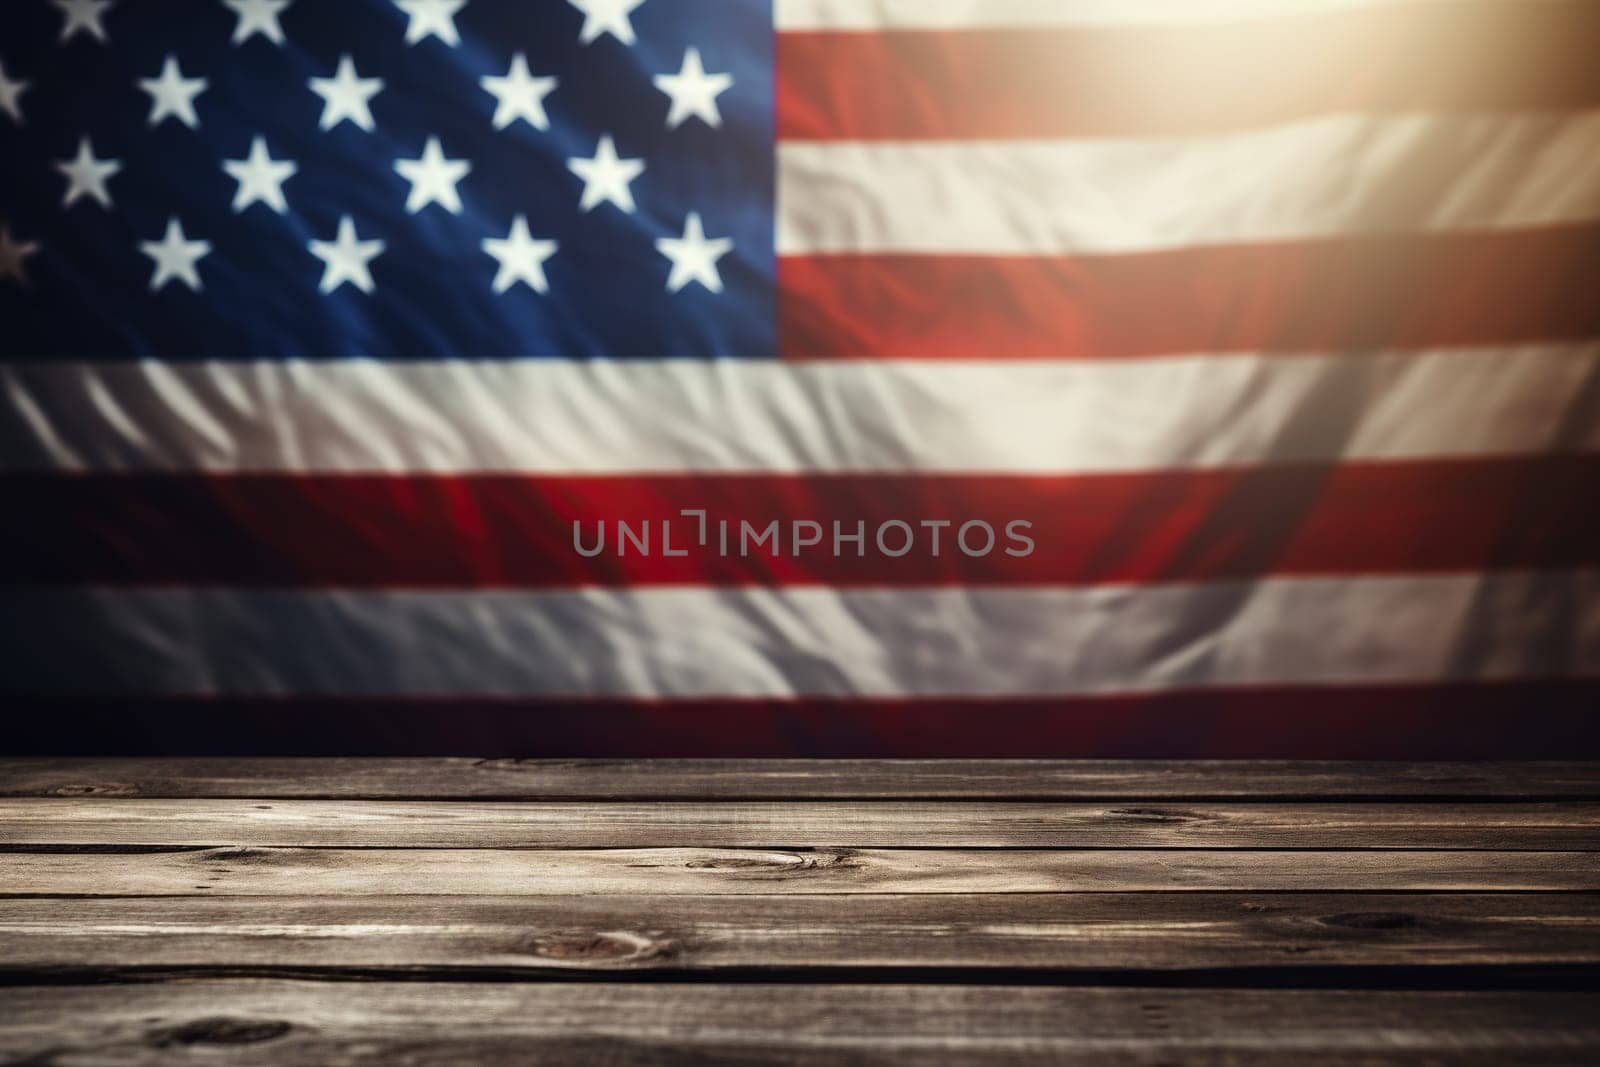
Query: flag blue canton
{"points": [[261, 289]]}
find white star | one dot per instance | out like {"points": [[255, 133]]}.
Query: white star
{"points": [[87, 176], [521, 95], [260, 178], [437, 17], [433, 178], [606, 16], [521, 258], [694, 259], [173, 95], [10, 92], [83, 16], [258, 16], [175, 257], [605, 177], [693, 91], [347, 258], [12, 253], [347, 96]]}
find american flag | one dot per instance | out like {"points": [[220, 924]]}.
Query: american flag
{"points": [[333, 329]]}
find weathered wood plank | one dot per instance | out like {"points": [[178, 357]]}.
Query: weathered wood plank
{"points": [[344, 872], [272, 1022], [627, 824], [1084, 931], [790, 779]]}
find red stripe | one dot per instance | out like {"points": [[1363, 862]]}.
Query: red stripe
{"points": [[420, 531], [1527, 720], [1119, 81], [1393, 291]]}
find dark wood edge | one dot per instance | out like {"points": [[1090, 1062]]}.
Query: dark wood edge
{"points": [[508, 779]]}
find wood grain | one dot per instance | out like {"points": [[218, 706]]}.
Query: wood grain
{"points": [[275, 1022], [1159, 932], [459, 778], [907, 824], [797, 912], [453, 872]]}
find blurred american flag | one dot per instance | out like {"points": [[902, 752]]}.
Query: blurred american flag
{"points": [[323, 322]]}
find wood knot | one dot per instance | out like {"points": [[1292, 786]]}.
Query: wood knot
{"points": [[224, 860], [615, 946], [748, 861], [1156, 814], [220, 1031], [107, 790], [774, 862], [1374, 920], [1154, 1016]]}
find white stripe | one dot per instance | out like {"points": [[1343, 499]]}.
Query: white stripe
{"points": [[1326, 177], [753, 642], [971, 14], [557, 416]]}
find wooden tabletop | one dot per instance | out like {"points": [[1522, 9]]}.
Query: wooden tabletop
{"points": [[923, 912]]}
